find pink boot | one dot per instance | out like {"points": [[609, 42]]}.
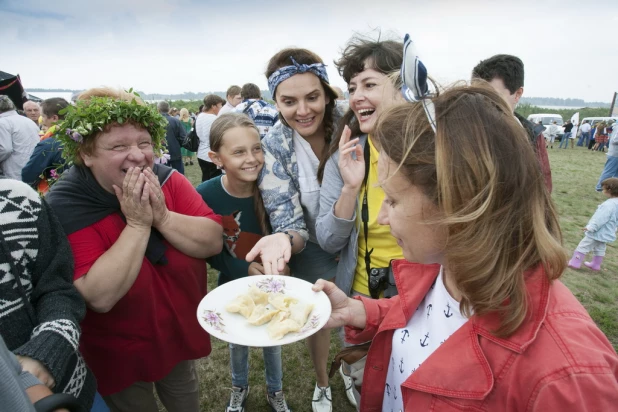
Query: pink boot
{"points": [[596, 263], [576, 260]]}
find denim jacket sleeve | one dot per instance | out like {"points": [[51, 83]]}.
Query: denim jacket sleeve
{"points": [[277, 186]]}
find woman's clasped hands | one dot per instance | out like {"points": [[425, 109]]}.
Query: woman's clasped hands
{"points": [[141, 199]]}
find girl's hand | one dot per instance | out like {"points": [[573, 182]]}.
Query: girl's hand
{"points": [[345, 311], [274, 251], [37, 369], [134, 199], [160, 213], [255, 268], [352, 170]]}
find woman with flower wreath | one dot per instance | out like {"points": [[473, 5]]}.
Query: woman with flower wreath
{"points": [[139, 234]]}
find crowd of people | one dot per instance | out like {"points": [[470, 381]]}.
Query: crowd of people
{"points": [[400, 204]]}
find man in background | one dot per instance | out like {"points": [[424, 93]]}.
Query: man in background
{"points": [[568, 127], [175, 135], [46, 161], [18, 137], [212, 107], [33, 111], [263, 114], [506, 74], [585, 136], [233, 99]]}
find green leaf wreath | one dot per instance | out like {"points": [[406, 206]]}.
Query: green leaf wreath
{"points": [[89, 117]]}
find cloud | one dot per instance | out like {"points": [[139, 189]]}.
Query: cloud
{"points": [[158, 46]]}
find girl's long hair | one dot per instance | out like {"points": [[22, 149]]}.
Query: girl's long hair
{"points": [[481, 172], [221, 125]]}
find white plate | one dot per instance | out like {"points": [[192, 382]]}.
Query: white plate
{"points": [[234, 328]]}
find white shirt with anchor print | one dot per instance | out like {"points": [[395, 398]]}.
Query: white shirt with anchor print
{"points": [[436, 318]]}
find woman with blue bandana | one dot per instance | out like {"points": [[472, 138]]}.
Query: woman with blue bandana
{"points": [[293, 149]]}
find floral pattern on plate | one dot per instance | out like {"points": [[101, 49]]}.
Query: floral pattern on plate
{"points": [[312, 323], [214, 319], [271, 285]]}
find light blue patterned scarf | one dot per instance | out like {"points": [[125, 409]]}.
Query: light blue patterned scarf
{"points": [[284, 73]]}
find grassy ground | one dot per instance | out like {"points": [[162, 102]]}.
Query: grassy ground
{"points": [[575, 173]]}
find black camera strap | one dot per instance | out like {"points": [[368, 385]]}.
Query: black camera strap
{"points": [[365, 208]]}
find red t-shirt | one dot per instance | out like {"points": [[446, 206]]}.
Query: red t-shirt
{"points": [[154, 326]]}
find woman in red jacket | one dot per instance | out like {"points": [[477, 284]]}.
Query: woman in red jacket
{"points": [[481, 322]]}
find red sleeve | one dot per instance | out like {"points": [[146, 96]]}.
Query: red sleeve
{"points": [[87, 247], [376, 310], [592, 389], [541, 154], [181, 197]]}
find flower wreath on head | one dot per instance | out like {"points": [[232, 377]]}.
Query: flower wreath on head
{"points": [[91, 116]]}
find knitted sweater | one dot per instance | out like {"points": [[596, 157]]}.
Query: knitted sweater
{"points": [[40, 311]]}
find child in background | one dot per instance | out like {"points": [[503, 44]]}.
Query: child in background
{"points": [[236, 148], [600, 230]]}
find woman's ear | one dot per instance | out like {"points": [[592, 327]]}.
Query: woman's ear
{"points": [[86, 158]]}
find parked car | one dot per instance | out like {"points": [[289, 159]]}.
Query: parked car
{"points": [[546, 120], [594, 120]]}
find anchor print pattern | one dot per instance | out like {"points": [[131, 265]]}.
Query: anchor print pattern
{"points": [[448, 312], [431, 329], [424, 341]]}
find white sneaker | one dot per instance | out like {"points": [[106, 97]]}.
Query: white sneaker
{"points": [[322, 399], [349, 386], [277, 402], [237, 399]]}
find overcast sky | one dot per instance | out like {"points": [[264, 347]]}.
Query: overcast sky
{"points": [[569, 47]]}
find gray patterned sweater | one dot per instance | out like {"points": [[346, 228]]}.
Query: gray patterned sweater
{"points": [[40, 309]]}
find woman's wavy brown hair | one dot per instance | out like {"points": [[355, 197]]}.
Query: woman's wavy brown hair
{"points": [[304, 56], [361, 53], [481, 172]]}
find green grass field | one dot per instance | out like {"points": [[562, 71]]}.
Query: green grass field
{"points": [[574, 172]]}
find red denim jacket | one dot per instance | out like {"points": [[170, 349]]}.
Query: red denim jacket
{"points": [[558, 359]]}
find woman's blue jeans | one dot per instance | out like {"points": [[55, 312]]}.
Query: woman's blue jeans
{"points": [[239, 357]]}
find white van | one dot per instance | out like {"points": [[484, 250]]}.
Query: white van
{"points": [[594, 120], [547, 119]]}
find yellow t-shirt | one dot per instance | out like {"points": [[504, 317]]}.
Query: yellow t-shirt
{"points": [[384, 245]]}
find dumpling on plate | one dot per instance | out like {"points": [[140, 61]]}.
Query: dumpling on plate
{"points": [[242, 304], [299, 312], [259, 297], [281, 301], [281, 325], [262, 314]]}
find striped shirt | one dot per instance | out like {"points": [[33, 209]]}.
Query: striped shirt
{"points": [[263, 114]]}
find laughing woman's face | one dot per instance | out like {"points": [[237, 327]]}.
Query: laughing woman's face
{"points": [[371, 93], [117, 150]]}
